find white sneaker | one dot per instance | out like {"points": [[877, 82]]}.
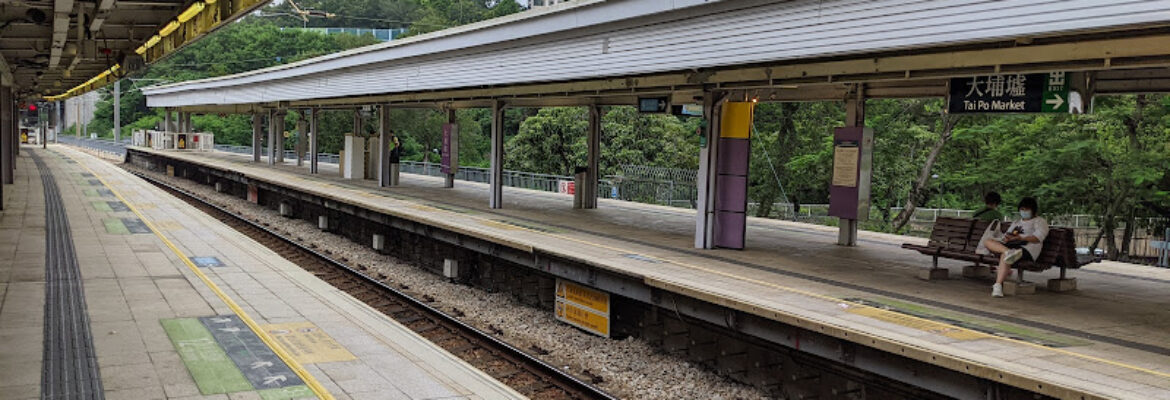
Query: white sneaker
{"points": [[997, 290], [1013, 255]]}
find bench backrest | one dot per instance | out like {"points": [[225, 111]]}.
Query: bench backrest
{"points": [[957, 234], [962, 234]]}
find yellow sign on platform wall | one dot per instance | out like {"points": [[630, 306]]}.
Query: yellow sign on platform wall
{"points": [[582, 307], [583, 296], [307, 343]]}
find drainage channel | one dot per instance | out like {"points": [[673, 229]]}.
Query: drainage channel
{"points": [[70, 368], [523, 372]]}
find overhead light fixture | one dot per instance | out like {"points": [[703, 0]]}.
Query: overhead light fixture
{"points": [[191, 12], [152, 41], [141, 50], [169, 29]]}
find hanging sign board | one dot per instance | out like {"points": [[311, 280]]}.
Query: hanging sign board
{"points": [[582, 307], [1013, 93], [653, 104]]}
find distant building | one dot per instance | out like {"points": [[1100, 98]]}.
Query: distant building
{"points": [[384, 35], [545, 3]]}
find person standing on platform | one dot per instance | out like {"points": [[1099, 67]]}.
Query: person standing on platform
{"points": [[990, 211], [395, 158], [1023, 241]]}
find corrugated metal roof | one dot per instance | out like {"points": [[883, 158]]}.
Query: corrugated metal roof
{"points": [[634, 37]]}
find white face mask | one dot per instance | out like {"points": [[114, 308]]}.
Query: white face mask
{"points": [[1026, 214]]}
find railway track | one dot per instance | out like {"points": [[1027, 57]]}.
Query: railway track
{"points": [[519, 370]]}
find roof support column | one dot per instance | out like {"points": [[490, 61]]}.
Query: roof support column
{"points": [[257, 130], [7, 107], [118, 111], [302, 126], [588, 187], [77, 117], [708, 160], [168, 124], [384, 148], [497, 162], [453, 158], [313, 136], [855, 117], [276, 125], [60, 120]]}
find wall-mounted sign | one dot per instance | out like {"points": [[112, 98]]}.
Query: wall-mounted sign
{"points": [[1014, 93], [653, 104], [582, 307]]}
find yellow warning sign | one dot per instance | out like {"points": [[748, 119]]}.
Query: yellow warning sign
{"points": [[583, 296], [582, 317], [951, 331], [582, 307], [307, 343]]}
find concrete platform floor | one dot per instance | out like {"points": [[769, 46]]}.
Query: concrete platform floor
{"points": [[1110, 337], [161, 333]]}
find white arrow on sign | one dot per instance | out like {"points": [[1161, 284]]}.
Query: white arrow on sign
{"points": [[261, 364], [1055, 103], [274, 380]]}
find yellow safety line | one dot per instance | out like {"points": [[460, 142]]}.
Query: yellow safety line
{"points": [[834, 299], [309, 380]]}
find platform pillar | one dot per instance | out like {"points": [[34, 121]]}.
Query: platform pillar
{"points": [[302, 126], [7, 106], [588, 187], [117, 112], [276, 124], [313, 136], [705, 204], [453, 158], [383, 174], [60, 120], [168, 124], [257, 129], [497, 162], [855, 117]]}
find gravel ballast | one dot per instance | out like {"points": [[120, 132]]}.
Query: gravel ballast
{"points": [[628, 368]]}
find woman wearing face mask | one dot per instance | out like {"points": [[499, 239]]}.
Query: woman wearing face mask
{"points": [[1022, 241]]}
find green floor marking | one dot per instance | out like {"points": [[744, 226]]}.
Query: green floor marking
{"points": [[287, 393], [213, 371], [977, 324], [115, 226], [102, 206]]}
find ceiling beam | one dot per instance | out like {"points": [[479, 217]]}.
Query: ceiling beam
{"points": [[62, 9], [5, 72], [105, 7]]}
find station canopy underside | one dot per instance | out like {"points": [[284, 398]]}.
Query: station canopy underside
{"points": [[611, 52], [63, 48]]}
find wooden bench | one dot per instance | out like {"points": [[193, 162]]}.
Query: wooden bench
{"points": [[957, 239]]}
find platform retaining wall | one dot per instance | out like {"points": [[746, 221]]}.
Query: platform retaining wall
{"points": [[786, 360]]}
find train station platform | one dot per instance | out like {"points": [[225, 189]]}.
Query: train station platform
{"points": [[149, 298], [1108, 339]]}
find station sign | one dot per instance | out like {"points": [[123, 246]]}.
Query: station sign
{"points": [[1012, 93], [582, 307], [655, 105]]}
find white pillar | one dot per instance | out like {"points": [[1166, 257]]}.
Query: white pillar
{"points": [[278, 136], [117, 111], [313, 136], [270, 150], [383, 174], [497, 162], [257, 131], [60, 120], [708, 160], [302, 127]]}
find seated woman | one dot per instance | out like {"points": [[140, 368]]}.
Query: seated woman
{"points": [[1023, 241]]}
